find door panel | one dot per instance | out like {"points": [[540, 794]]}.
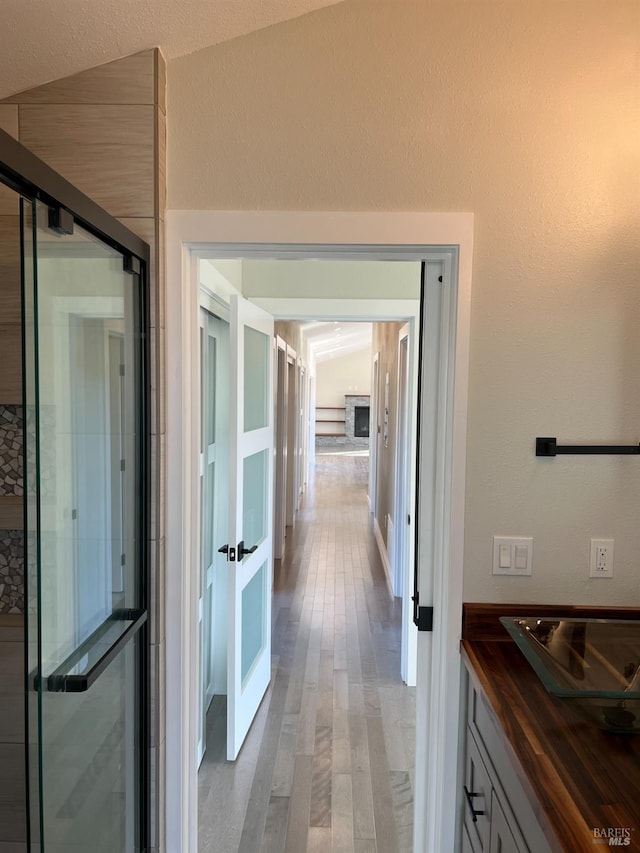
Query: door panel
{"points": [[250, 520], [85, 452]]}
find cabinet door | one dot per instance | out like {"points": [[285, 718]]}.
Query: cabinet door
{"points": [[501, 839], [466, 846], [477, 814]]}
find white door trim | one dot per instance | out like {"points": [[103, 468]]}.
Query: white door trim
{"points": [[371, 236]]}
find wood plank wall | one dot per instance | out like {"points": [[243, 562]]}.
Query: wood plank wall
{"points": [[104, 130], [10, 319]]}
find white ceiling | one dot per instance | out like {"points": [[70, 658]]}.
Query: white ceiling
{"points": [[332, 340], [44, 40]]}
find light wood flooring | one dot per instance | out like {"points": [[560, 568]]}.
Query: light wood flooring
{"points": [[328, 762]]}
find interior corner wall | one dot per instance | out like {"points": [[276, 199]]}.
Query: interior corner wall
{"points": [[526, 114], [291, 332], [104, 130]]}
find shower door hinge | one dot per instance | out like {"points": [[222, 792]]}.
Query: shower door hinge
{"points": [[60, 220]]}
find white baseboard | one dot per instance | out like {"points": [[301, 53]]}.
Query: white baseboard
{"points": [[383, 553]]}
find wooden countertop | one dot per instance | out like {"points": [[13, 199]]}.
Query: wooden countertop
{"points": [[577, 777]]}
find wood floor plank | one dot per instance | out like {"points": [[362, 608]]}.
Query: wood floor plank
{"points": [[307, 722], [383, 811], [299, 804], [275, 830], [393, 724], [319, 839], [342, 814], [364, 827], [320, 814], [402, 794], [285, 758], [341, 754], [364, 846]]}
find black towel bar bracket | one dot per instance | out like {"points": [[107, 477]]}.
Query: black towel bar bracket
{"points": [[550, 447]]}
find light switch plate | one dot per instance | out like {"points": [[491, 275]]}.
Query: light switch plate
{"points": [[520, 555]]}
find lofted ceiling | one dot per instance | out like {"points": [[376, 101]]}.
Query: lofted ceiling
{"points": [[335, 339], [43, 41]]}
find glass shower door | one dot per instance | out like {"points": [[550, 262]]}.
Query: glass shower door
{"points": [[84, 474]]}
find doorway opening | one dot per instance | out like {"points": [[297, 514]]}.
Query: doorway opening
{"points": [[338, 355], [443, 240], [336, 352]]}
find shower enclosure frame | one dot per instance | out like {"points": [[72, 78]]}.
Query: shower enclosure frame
{"points": [[34, 180]]}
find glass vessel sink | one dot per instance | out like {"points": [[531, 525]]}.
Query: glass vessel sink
{"points": [[591, 664]]}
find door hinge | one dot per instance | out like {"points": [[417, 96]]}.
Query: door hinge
{"points": [[422, 616], [74, 514], [122, 465], [122, 370], [123, 560], [408, 519], [131, 264], [60, 220]]}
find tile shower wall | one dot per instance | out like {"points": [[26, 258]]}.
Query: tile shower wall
{"points": [[11, 571], [11, 485], [11, 451]]}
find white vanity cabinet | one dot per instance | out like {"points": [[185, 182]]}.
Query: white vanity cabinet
{"points": [[498, 816]]}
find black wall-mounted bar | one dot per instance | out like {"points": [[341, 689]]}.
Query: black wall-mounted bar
{"points": [[549, 447]]}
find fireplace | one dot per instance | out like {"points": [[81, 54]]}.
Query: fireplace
{"points": [[356, 419], [361, 422]]}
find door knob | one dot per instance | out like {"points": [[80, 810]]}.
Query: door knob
{"points": [[223, 550], [242, 550]]}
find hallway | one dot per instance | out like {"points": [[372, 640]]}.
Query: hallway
{"points": [[328, 762]]}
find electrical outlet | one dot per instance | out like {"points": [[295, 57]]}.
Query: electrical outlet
{"points": [[601, 563]]}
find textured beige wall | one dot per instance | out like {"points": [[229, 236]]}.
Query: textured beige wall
{"points": [[527, 114], [346, 374]]}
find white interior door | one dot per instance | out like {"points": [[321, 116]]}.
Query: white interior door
{"points": [[280, 437], [292, 438], [250, 517], [214, 517]]}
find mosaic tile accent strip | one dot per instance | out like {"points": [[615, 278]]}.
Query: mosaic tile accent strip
{"points": [[11, 482], [11, 571]]}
